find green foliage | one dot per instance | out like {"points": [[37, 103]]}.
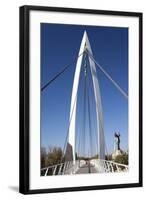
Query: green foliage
{"points": [[87, 158], [51, 157], [108, 157], [122, 159], [95, 157], [54, 155], [43, 157]]}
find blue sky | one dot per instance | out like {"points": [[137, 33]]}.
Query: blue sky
{"points": [[60, 46]]}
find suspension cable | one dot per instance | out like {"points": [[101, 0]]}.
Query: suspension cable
{"points": [[69, 124], [84, 111], [108, 76], [79, 133], [89, 111], [58, 74], [91, 92], [90, 128], [81, 129], [105, 144], [93, 111], [66, 138]]}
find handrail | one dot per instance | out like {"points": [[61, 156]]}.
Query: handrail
{"points": [[51, 166], [109, 166], [114, 162], [68, 167]]}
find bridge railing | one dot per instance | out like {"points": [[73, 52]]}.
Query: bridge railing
{"points": [[108, 166], [68, 167]]}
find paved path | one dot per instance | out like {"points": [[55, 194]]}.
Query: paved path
{"points": [[86, 169]]}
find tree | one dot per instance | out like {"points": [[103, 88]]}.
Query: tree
{"points": [[122, 159], [108, 157], [43, 157], [95, 156], [54, 156]]}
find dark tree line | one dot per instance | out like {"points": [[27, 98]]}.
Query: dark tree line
{"points": [[54, 155], [51, 156], [122, 159]]}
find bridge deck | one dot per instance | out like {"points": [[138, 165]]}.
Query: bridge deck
{"points": [[86, 169]]}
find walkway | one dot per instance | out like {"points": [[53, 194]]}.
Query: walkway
{"points": [[86, 169]]}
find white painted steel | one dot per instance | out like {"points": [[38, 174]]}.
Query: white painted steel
{"points": [[101, 140], [64, 168], [73, 106], [105, 166], [101, 166], [85, 46]]}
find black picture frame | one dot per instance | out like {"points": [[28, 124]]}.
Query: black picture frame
{"points": [[25, 105]]}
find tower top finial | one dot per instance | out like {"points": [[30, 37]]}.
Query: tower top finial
{"points": [[85, 33], [85, 36]]}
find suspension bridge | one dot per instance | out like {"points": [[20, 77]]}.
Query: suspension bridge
{"points": [[74, 159]]}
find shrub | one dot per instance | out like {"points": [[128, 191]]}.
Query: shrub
{"points": [[122, 159]]}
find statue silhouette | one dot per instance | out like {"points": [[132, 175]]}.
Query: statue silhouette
{"points": [[117, 141]]}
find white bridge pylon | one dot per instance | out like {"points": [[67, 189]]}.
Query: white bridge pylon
{"points": [[85, 46]]}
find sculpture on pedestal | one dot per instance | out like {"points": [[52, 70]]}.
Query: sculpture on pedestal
{"points": [[117, 141], [117, 149]]}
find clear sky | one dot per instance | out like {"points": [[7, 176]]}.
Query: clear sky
{"points": [[60, 46]]}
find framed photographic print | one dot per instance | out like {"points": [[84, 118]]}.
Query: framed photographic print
{"points": [[80, 99]]}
